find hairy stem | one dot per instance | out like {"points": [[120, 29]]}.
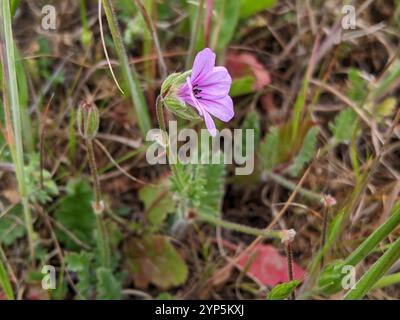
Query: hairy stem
{"points": [[162, 126], [240, 228], [98, 206], [289, 256]]}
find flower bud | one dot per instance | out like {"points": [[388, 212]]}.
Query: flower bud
{"points": [[88, 119], [173, 82], [170, 99]]}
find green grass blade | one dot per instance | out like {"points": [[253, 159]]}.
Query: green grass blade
{"points": [[369, 244], [375, 273], [14, 6], [388, 280], [129, 73], [5, 283], [11, 100]]}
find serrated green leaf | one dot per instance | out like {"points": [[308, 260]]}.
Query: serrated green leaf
{"points": [[268, 149], [158, 203], [344, 125], [153, 260], [306, 154], [81, 264], [252, 121], [200, 186], [75, 213], [37, 194], [357, 90], [279, 147], [108, 286], [210, 201], [283, 290], [12, 226]]}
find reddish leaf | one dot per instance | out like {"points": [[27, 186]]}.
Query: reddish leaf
{"points": [[246, 64], [268, 266]]}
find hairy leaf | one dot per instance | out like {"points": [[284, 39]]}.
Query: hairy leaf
{"points": [[75, 213], [344, 125], [12, 226], [153, 260], [81, 264], [158, 203], [108, 286], [306, 154]]}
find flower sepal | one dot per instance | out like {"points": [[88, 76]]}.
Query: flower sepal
{"points": [[180, 108], [173, 82]]}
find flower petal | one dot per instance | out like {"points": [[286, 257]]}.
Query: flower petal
{"points": [[210, 124], [215, 84], [220, 108], [183, 91], [191, 99], [203, 64]]}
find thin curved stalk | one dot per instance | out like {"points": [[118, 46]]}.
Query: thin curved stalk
{"points": [[12, 106], [194, 35], [129, 73]]}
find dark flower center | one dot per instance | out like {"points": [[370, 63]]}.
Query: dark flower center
{"points": [[196, 91]]}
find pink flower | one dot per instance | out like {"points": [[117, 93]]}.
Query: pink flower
{"points": [[207, 90]]}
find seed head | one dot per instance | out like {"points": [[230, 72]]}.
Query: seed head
{"points": [[88, 119]]}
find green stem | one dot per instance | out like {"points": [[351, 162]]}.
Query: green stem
{"points": [[93, 170], [161, 124], [240, 228], [292, 186], [98, 206], [103, 241]]}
